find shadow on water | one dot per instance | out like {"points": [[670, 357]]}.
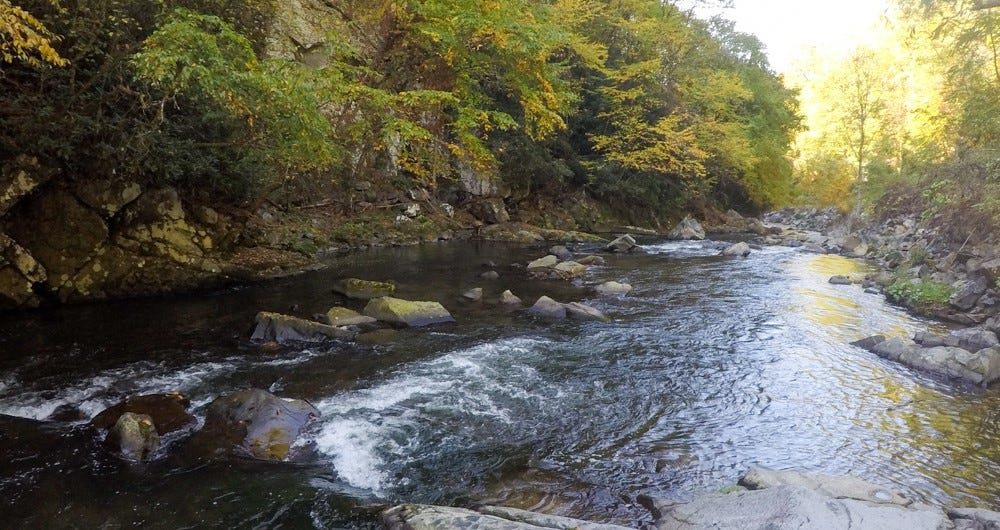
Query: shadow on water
{"points": [[710, 366]]}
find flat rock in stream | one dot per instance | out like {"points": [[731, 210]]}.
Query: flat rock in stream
{"points": [[790, 500], [284, 329], [364, 289], [427, 517], [981, 367], [407, 312]]}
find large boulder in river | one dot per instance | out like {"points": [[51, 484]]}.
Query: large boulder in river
{"points": [[613, 289], [509, 298], [543, 263], [975, 339], [548, 308], [363, 289], [168, 412], [255, 423], [578, 311], [406, 312], [792, 500], [284, 329], [427, 517], [741, 249], [967, 292], [569, 269], [622, 244], [688, 228], [134, 436]]}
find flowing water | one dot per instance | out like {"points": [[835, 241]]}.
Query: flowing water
{"points": [[710, 366]]}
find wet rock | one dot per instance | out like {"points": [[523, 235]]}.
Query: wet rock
{"points": [[342, 316], [741, 249], [18, 178], [378, 336], [407, 312], [967, 292], [19, 273], [427, 517], [975, 339], [167, 412], [868, 343], [284, 329], [561, 252], [622, 244], [134, 436], [473, 295], [982, 367], [364, 289], [255, 423], [591, 260], [578, 311], [490, 275], [840, 280], [543, 263], [548, 308], [798, 500], [570, 269], [688, 228], [613, 289], [974, 519], [931, 340], [508, 298]]}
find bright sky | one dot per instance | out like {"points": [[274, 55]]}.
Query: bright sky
{"points": [[789, 28]]}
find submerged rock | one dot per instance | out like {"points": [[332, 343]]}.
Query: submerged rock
{"points": [[591, 260], [741, 249], [622, 244], [561, 252], [427, 517], [167, 412], [255, 423], [364, 289], [613, 289], [688, 228], [789, 500], [548, 308], [490, 275], [407, 312], [134, 435], [284, 329]]}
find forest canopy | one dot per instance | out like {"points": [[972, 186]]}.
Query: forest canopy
{"points": [[637, 102]]}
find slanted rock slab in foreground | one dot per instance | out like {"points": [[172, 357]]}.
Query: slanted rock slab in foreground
{"points": [[284, 329], [427, 517], [407, 312], [792, 500]]}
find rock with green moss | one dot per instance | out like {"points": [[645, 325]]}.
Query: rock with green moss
{"points": [[254, 423], [168, 412], [364, 289], [284, 329], [543, 263], [134, 436], [342, 316], [406, 312]]}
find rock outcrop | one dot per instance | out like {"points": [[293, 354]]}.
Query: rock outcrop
{"points": [[687, 228], [980, 367]]}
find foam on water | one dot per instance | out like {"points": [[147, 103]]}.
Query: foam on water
{"points": [[363, 431]]}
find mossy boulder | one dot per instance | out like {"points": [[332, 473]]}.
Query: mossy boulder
{"points": [[255, 423], [364, 289], [134, 436], [342, 316], [406, 312]]}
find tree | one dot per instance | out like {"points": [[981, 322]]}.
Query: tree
{"points": [[23, 38]]}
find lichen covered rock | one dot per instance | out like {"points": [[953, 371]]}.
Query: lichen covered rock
{"points": [[406, 312]]}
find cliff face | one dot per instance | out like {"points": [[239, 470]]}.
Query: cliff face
{"points": [[103, 238]]}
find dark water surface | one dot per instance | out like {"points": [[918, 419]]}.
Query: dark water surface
{"points": [[712, 365]]}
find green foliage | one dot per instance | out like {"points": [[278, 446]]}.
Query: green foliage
{"points": [[264, 113], [919, 292]]}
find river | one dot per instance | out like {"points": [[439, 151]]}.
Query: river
{"points": [[710, 366]]}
